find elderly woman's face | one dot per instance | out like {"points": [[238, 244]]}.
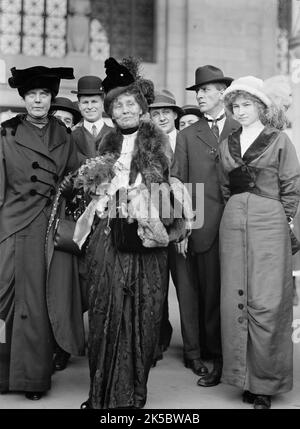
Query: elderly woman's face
{"points": [[126, 112], [37, 102], [245, 111]]}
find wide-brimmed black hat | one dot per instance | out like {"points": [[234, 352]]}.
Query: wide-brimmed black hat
{"points": [[89, 85], [64, 103], [165, 98], [209, 74], [39, 77]]}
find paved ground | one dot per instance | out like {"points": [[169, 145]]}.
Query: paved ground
{"points": [[170, 385]]}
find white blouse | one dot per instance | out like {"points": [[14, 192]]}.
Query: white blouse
{"points": [[249, 134]]}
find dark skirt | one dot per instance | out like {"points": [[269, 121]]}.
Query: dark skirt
{"points": [[127, 292]]}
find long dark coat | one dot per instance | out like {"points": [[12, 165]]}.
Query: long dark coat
{"points": [[195, 162], [262, 189], [33, 162]]}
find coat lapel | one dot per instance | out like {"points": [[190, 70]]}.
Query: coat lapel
{"points": [[205, 134], [82, 144], [230, 126], [57, 133], [234, 146], [256, 149], [28, 138], [260, 144], [102, 133]]}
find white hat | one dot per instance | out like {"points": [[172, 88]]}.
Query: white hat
{"points": [[252, 85]]}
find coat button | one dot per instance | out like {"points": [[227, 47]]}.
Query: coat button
{"points": [[240, 319], [35, 165], [251, 184], [23, 316], [241, 292], [241, 306], [244, 168]]}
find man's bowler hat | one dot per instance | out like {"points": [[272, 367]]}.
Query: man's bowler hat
{"points": [[209, 74], [89, 85]]}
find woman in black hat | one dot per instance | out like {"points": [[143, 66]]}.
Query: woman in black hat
{"points": [[128, 280], [36, 153]]}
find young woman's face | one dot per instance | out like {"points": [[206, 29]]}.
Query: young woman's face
{"points": [[245, 111], [126, 112]]}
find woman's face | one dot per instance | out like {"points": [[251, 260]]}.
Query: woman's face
{"points": [[126, 111], [245, 111], [37, 102]]}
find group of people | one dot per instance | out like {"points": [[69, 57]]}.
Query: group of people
{"points": [[232, 273]]}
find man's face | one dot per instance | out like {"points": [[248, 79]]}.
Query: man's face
{"points": [[37, 102], [164, 118], [209, 98], [65, 116], [91, 107]]}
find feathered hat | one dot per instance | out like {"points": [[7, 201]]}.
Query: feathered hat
{"points": [[123, 77]]}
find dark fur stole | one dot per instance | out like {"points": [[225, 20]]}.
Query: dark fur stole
{"points": [[150, 156]]}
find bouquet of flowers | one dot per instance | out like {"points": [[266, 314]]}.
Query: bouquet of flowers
{"points": [[95, 172]]}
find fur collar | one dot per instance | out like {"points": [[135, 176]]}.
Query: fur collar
{"points": [[150, 156]]}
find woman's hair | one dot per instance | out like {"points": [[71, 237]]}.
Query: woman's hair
{"points": [[272, 116], [132, 89]]}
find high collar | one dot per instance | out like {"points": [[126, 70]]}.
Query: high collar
{"points": [[38, 122], [221, 113], [127, 131]]}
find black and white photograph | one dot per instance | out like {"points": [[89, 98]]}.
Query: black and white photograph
{"points": [[149, 207]]}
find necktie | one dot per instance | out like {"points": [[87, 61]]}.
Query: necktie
{"points": [[214, 125], [94, 131], [215, 129]]}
